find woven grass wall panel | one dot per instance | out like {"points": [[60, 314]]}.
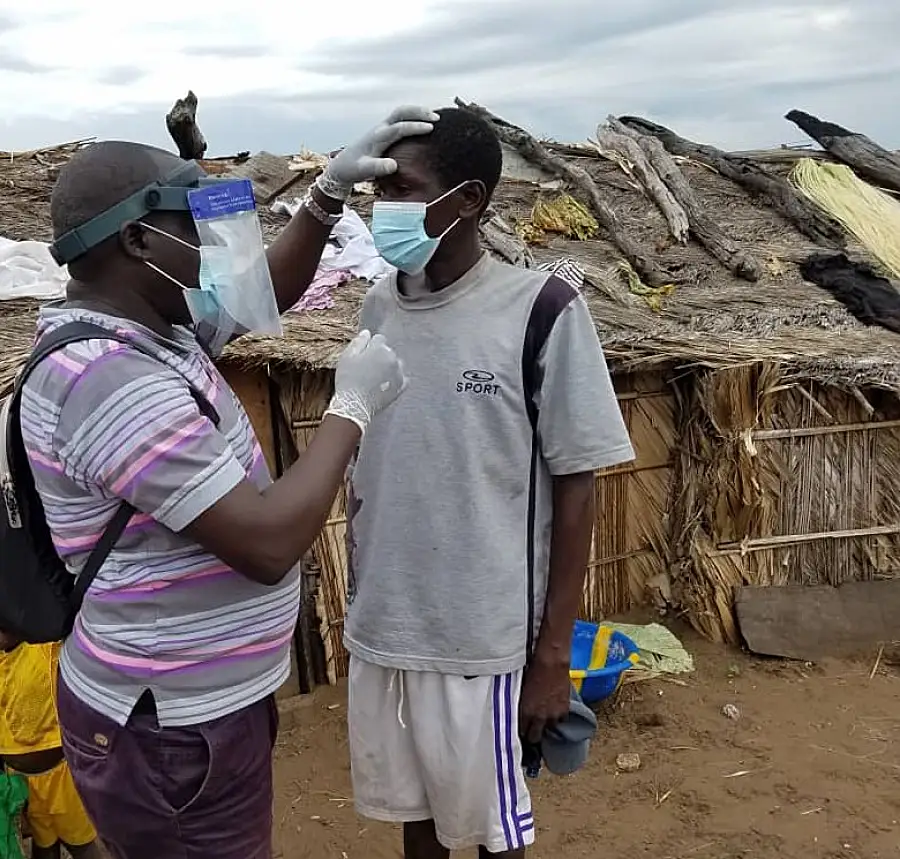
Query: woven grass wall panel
{"points": [[304, 398], [784, 482], [631, 535], [252, 388]]}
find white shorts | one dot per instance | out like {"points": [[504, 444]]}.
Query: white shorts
{"points": [[428, 746]]}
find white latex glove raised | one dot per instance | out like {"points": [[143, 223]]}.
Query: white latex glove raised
{"points": [[363, 161], [368, 378]]}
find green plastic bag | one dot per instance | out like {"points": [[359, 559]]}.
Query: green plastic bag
{"points": [[13, 795]]}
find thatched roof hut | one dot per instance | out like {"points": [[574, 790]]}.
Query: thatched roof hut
{"points": [[766, 418]]}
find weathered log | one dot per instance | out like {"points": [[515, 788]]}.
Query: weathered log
{"points": [[580, 180], [703, 227], [181, 121], [501, 238], [787, 201], [864, 155], [627, 147], [571, 150]]}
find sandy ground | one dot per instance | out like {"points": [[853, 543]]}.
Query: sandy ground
{"points": [[811, 769]]}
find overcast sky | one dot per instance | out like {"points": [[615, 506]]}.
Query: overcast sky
{"points": [[279, 76]]}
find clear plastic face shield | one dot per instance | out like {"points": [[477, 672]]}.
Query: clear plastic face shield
{"points": [[234, 295]]}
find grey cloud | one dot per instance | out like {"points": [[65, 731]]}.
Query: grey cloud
{"points": [[219, 51], [723, 73], [462, 38], [802, 87], [564, 67], [473, 36], [121, 75], [776, 98], [263, 120], [13, 63], [7, 23]]}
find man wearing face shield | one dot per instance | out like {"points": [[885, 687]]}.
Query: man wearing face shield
{"points": [[471, 512], [166, 682]]}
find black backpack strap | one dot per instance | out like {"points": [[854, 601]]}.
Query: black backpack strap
{"points": [[72, 332], [100, 553], [76, 332], [554, 297]]}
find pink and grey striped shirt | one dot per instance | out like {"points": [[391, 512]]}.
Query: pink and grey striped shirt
{"points": [[103, 422]]}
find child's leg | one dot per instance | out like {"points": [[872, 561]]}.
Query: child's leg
{"points": [[45, 852], [39, 821], [85, 851]]}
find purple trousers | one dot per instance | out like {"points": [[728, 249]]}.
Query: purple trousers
{"points": [[198, 792]]}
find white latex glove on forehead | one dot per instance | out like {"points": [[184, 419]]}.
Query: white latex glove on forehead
{"points": [[363, 161]]}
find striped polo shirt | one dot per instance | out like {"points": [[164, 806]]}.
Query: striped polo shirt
{"points": [[103, 422]]}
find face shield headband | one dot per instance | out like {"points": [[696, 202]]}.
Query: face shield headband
{"points": [[166, 195]]}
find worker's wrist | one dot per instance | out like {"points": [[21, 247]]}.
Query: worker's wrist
{"points": [[331, 192]]}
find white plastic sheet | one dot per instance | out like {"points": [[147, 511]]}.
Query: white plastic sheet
{"points": [[355, 252], [28, 271]]}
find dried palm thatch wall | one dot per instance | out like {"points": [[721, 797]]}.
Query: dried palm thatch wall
{"points": [[779, 483], [630, 554], [304, 398]]}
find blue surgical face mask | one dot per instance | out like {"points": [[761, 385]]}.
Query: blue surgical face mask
{"points": [[398, 230], [215, 305]]}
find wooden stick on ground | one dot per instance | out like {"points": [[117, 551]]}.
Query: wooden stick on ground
{"points": [[776, 191], [181, 121], [626, 146], [704, 228], [863, 154], [581, 180]]}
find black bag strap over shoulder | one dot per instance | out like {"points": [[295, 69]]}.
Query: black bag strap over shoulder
{"points": [[76, 332]]}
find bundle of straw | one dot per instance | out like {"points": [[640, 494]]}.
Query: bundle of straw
{"points": [[653, 295], [870, 215], [566, 216]]}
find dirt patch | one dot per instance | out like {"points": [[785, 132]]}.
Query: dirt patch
{"points": [[811, 768]]}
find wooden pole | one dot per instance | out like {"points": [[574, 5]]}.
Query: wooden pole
{"points": [[702, 226], [580, 180], [181, 121], [865, 156], [779, 193]]}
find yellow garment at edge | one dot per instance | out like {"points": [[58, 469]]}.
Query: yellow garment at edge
{"points": [[55, 812], [28, 724], [28, 720]]}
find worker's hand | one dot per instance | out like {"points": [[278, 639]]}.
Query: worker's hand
{"points": [[545, 696], [368, 378], [362, 161]]}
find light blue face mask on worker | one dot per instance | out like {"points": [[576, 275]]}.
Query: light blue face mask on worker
{"points": [[210, 303], [398, 230]]}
